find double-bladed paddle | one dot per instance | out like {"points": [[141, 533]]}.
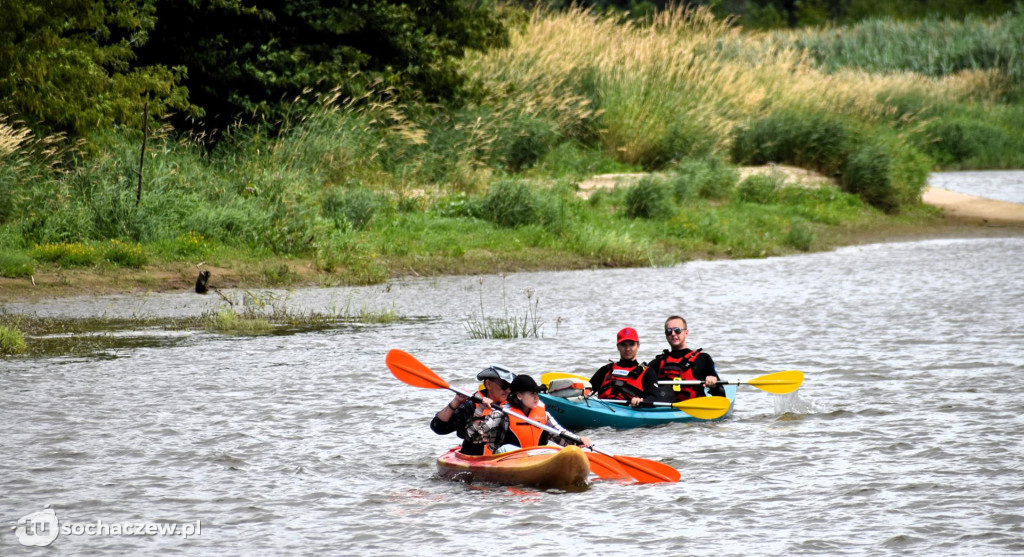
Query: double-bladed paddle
{"points": [[778, 383], [411, 371], [705, 407]]}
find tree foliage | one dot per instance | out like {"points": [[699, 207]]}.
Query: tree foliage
{"points": [[253, 58], [66, 65]]}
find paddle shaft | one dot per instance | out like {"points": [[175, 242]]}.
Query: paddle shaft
{"points": [[696, 382], [411, 371], [645, 404], [567, 434]]}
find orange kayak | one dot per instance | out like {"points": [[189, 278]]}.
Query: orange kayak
{"points": [[544, 467]]}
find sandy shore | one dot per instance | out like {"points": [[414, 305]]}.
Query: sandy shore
{"points": [[963, 206], [954, 205]]}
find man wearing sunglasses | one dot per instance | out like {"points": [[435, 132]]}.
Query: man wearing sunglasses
{"points": [[461, 411], [683, 363]]}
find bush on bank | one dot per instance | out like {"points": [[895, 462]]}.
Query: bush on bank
{"points": [[368, 190]]}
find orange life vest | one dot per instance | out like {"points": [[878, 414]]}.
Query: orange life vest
{"points": [[526, 435]]}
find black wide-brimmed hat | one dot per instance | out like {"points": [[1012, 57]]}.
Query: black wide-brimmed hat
{"points": [[526, 384]]}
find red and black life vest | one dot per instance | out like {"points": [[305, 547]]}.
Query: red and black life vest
{"points": [[622, 383], [671, 368]]}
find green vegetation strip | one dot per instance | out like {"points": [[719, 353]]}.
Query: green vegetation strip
{"points": [[388, 186]]}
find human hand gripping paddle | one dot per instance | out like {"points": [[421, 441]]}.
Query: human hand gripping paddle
{"points": [[704, 408], [411, 371]]}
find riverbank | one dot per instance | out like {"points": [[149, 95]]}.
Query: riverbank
{"points": [[962, 216]]}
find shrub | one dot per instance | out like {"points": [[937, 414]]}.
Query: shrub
{"points": [[810, 140], [228, 321], [887, 174], [125, 254], [187, 246], [650, 198], [66, 255], [708, 178], [800, 235], [961, 141], [15, 264], [531, 139], [12, 341], [355, 208], [759, 189], [453, 205], [510, 204], [680, 140]]}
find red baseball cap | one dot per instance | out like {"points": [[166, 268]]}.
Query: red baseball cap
{"points": [[628, 333]]}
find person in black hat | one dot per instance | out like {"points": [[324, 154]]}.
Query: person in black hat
{"points": [[507, 432], [626, 379], [462, 411]]}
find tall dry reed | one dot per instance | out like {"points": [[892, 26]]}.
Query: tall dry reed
{"points": [[683, 72]]}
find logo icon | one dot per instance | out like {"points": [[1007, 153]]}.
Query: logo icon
{"points": [[37, 529]]}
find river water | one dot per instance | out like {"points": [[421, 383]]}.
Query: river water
{"points": [[905, 439]]}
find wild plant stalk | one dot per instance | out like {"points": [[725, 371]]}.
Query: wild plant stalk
{"points": [[510, 326]]}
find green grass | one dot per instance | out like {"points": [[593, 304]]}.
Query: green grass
{"points": [[935, 47], [12, 341], [367, 191], [252, 313]]}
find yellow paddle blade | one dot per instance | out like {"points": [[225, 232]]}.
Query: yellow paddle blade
{"points": [[705, 407], [779, 383], [550, 376]]}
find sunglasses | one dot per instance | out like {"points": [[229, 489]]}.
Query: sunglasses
{"points": [[505, 385], [675, 330]]}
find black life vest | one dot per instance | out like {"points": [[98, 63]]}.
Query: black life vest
{"points": [[622, 383], [671, 368]]}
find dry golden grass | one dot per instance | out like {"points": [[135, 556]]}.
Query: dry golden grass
{"points": [[11, 138], [683, 66]]}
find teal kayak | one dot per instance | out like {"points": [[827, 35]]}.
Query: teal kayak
{"points": [[575, 414]]}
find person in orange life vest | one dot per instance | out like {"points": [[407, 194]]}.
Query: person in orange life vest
{"points": [[502, 431], [626, 379], [461, 411], [683, 363]]}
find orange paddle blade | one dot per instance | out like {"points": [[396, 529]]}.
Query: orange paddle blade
{"points": [[605, 467], [648, 471], [410, 371]]}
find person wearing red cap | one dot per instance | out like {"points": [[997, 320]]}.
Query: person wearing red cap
{"points": [[683, 363], [626, 379]]}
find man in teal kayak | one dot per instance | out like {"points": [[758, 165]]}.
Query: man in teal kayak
{"points": [[626, 379], [682, 363], [461, 411]]}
